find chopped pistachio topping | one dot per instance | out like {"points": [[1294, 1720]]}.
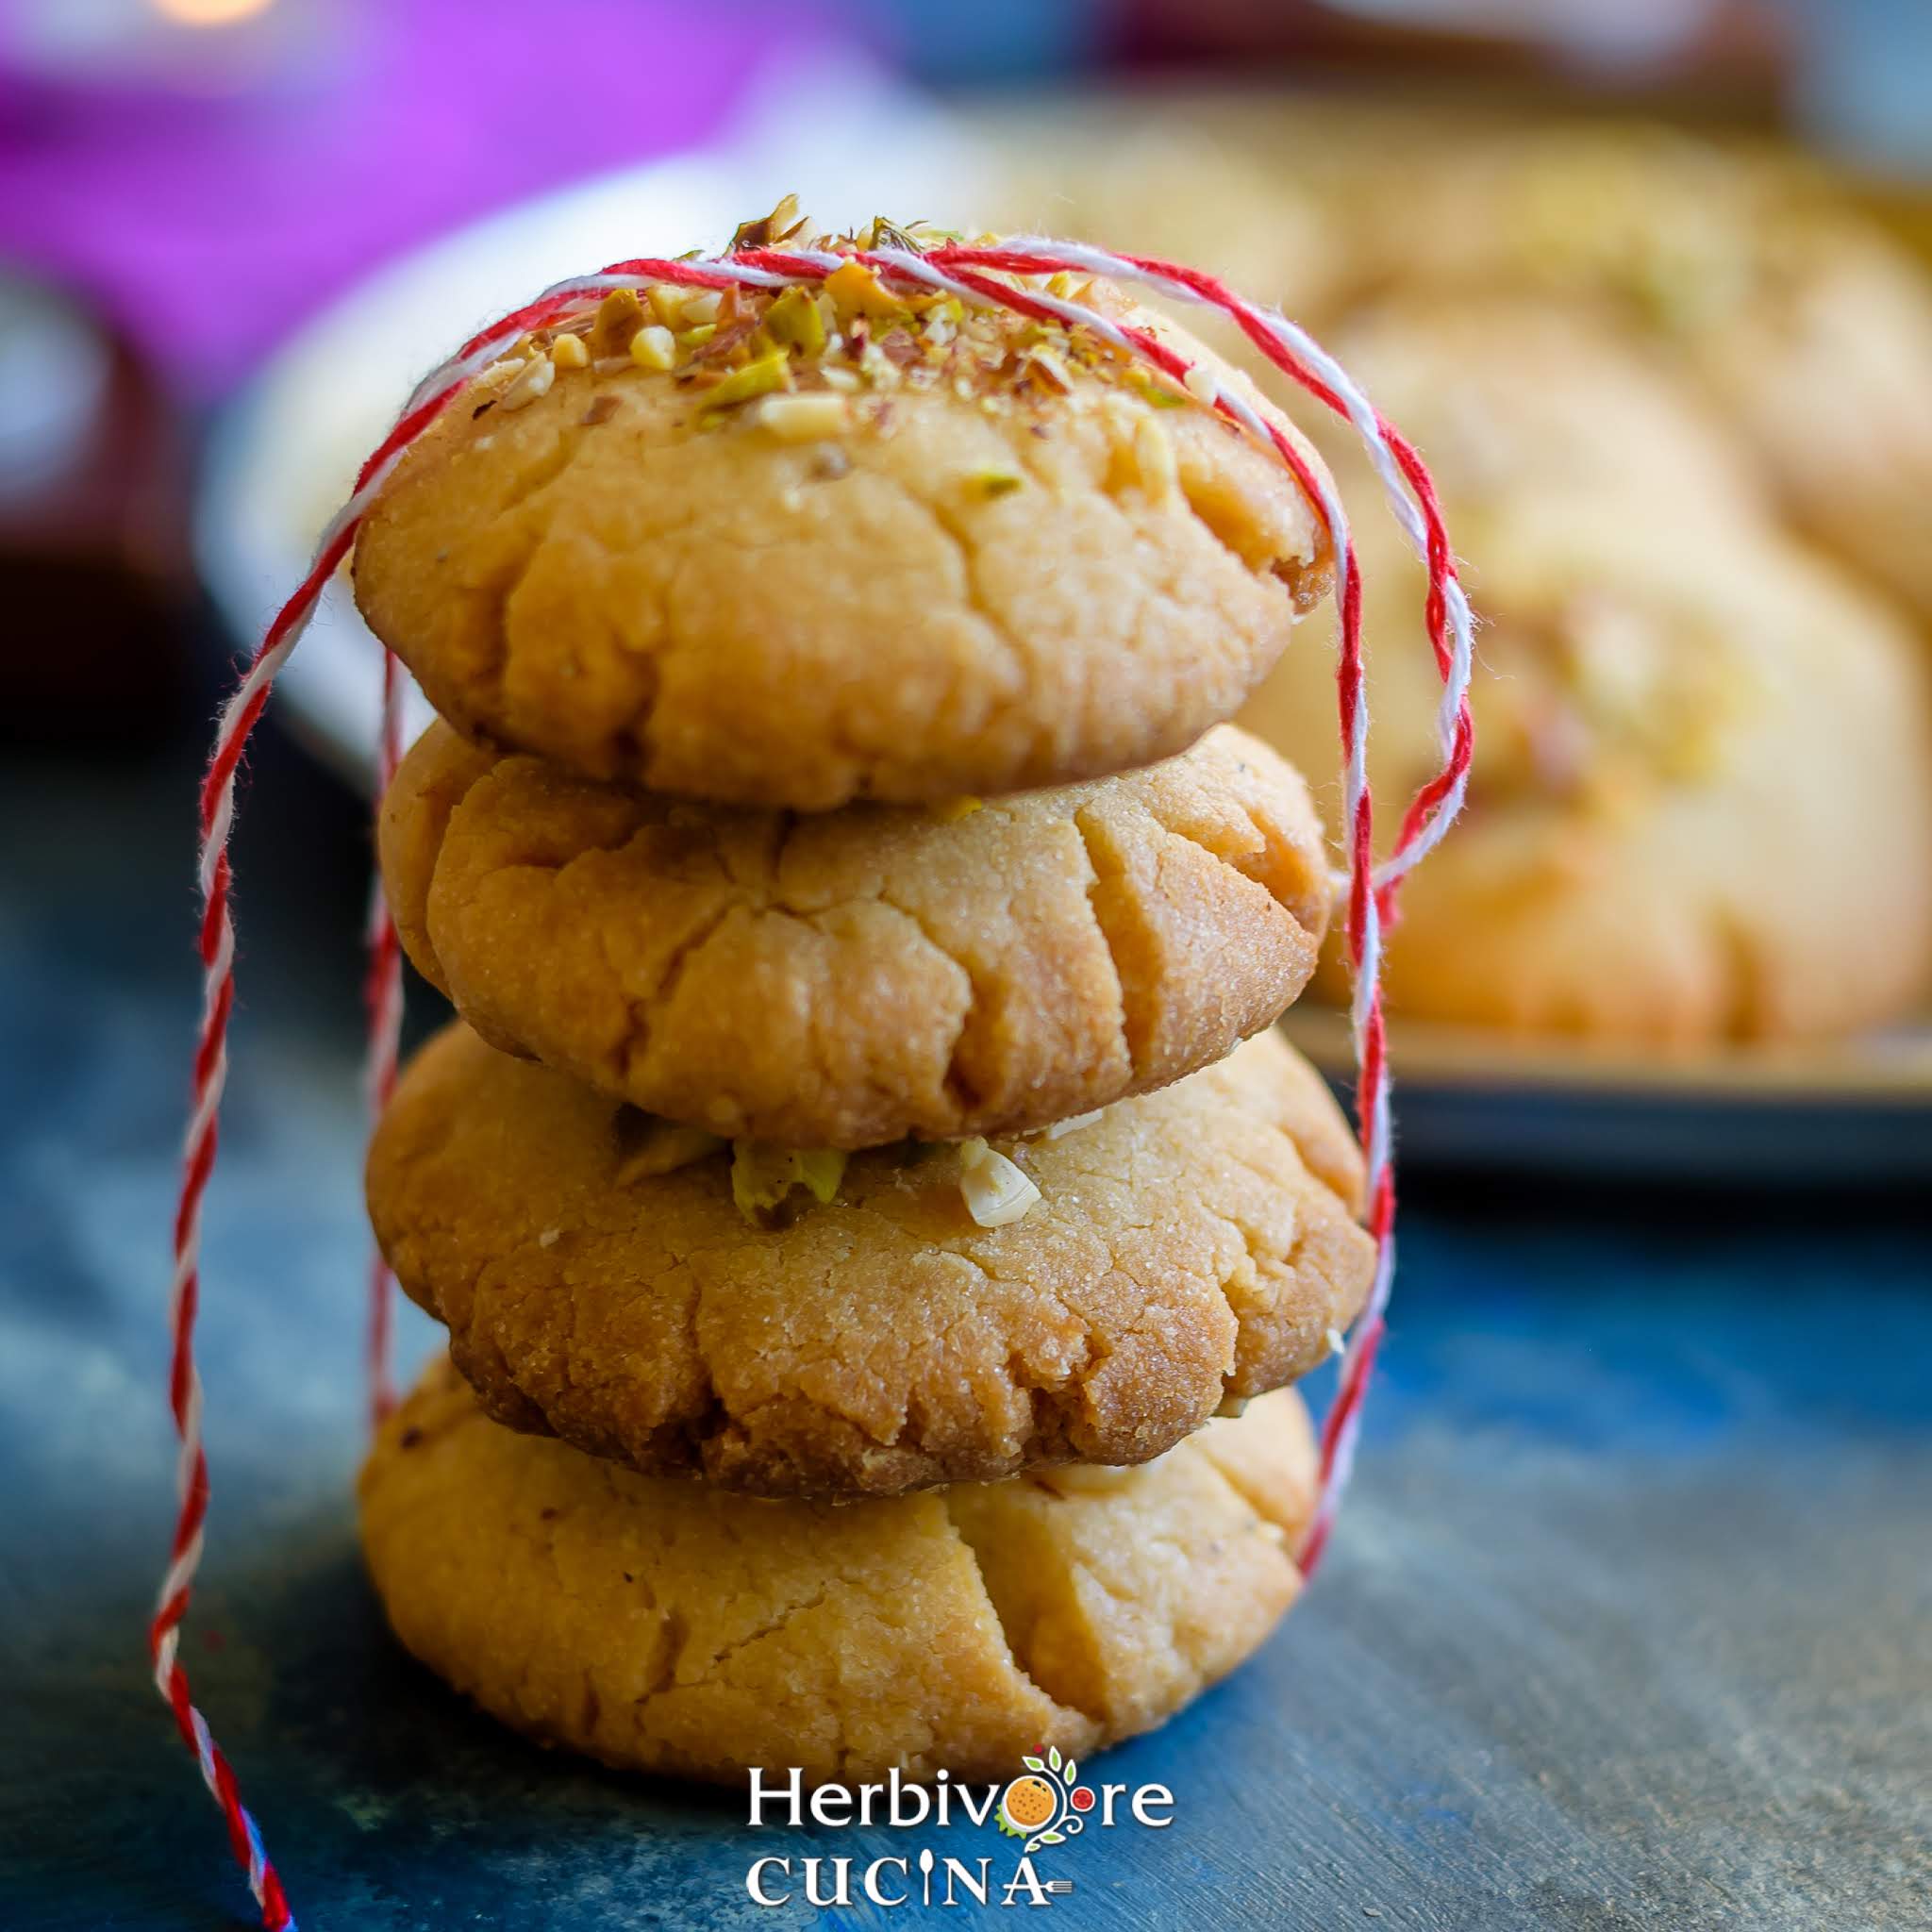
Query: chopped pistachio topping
{"points": [[763, 1176], [821, 1168], [996, 1190], [860, 334], [759, 378], [619, 317], [996, 482], [1154, 457], [1048, 368], [887, 233], [796, 320], [781, 224], [857, 292], [1154, 390], [533, 380]]}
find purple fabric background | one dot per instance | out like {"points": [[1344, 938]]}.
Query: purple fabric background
{"points": [[208, 227]]}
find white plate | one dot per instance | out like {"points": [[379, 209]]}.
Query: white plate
{"points": [[285, 452]]}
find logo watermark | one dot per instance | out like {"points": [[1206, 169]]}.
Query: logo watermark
{"points": [[1043, 1806]]}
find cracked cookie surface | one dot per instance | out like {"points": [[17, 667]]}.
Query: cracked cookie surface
{"points": [[1189, 1245], [670, 1627], [961, 590], [846, 979]]}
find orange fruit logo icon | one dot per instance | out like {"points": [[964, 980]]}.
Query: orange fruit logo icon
{"points": [[1029, 1803]]}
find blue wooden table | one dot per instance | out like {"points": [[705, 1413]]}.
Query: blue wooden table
{"points": [[1628, 1624]]}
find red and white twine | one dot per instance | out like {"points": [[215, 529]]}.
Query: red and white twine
{"points": [[979, 277]]}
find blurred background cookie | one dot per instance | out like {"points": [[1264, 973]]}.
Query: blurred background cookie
{"points": [[1511, 393], [1800, 320], [1701, 802]]}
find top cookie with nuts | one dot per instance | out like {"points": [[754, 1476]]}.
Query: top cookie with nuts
{"points": [[801, 546]]}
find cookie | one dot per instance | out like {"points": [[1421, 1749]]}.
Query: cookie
{"points": [[1702, 800], [994, 555], [1830, 376], [1801, 321], [845, 979], [1521, 394], [1174, 185], [1187, 1246], [670, 1627]]}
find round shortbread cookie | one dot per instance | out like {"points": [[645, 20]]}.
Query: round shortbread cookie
{"points": [[1528, 394], [1188, 1247], [1805, 324], [845, 979], [1001, 557], [670, 1627], [1701, 799]]}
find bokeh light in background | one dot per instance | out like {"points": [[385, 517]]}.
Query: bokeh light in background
{"points": [[211, 12]]}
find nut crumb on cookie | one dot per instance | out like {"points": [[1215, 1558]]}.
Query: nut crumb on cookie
{"points": [[997, 1190]]}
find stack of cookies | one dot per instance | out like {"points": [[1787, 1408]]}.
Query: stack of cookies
{"points": [[861, 1174]]}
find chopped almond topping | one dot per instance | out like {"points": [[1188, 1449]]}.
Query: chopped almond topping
{"points": [[997, 1191], [654, 348], [804, 419], [533, 380]]}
